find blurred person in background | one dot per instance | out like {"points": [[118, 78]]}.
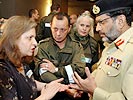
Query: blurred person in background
{"points": [[34, 15], [43, 30]]}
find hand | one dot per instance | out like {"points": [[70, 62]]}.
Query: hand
{"points": [[74, 93], [87, 85], [49, 91], [63, 87], [48, 65]]}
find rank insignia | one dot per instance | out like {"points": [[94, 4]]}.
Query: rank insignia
{"points": [[119, 42], [113, 62], [96, 9]]}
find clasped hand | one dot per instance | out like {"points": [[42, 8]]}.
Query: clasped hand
{"points": [[48, 65]]}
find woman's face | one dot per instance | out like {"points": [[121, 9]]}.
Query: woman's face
{"points": [[27, 43], [83, 26]]}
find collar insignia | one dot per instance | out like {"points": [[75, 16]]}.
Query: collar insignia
{"points": [[119, 42]]}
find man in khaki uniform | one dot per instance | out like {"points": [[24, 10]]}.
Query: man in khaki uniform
{"points": [[59, 56], [114, 75]]}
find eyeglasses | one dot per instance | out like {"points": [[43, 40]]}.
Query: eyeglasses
{"points": [[101, 22]]}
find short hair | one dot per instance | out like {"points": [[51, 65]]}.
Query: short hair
{"points": [[15, 26], [60, 16], [31, 11], [55, 6]]}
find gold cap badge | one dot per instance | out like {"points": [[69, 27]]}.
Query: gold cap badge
{"points": [[96, 9]]}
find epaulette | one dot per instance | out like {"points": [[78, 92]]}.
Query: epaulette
{"points": [[131, 40], [44, 40]]}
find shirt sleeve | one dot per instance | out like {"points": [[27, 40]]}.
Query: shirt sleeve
{"points": [[7, 86]]}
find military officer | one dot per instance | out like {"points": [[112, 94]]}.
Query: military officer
{"points": [[59, 55], [114, 77]]}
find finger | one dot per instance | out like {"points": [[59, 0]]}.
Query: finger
{"points": [[74, 86], [77, 76], [59, 80], [75, 80], [46, 60], [87, 71]]}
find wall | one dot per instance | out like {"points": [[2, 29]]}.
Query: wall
{"points": [[20, 7], [78, 7]]}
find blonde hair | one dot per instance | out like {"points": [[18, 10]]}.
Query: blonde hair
{"points": [[14, 28], [87, 15]]}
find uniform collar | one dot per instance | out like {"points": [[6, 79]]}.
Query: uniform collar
{"points": [[122, 40]]}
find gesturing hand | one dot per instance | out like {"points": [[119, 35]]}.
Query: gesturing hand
{"points": [[87, 85]]}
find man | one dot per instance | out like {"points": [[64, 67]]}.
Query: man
{"points": [[34, 15], [73, 18], [59, 55], [113, 78], [43, 30]]}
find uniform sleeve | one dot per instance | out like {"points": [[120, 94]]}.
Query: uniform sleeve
{"points": [[41, 54], [77, 64], [7, 86]]}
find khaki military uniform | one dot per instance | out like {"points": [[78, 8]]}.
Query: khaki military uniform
{"points": [[71, 55], [114, 76]]}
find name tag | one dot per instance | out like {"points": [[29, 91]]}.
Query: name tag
{"points": [[47, 24], [29, 73]]}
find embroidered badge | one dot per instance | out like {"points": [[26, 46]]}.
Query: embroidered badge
{"points": [[95, 9], [113, 62]]}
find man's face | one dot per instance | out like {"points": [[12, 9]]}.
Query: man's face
{"points": [[36, 15], [60, 29], [73, 18], [107, 28]]}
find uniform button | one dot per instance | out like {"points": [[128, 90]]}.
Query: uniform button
{"points": [[108, 73], [100, 67], [108, 52]]}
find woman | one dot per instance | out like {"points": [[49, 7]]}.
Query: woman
{"points": [[17, 46], [84, 34]]}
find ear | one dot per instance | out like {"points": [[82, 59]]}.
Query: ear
{"points": [[121, 21], [69, 28]]}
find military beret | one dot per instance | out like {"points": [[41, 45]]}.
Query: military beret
{"points": [[107, 6]]}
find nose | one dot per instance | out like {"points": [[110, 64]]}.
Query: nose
{"points": [[98, 27], [84, 28], [58, 32], [34, 42]]}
